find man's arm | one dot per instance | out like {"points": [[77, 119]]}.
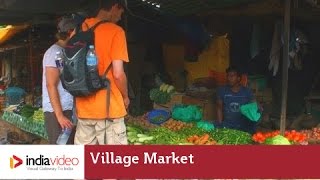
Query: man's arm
{"points": [[52, 79], [219, 111], [120, 79]]}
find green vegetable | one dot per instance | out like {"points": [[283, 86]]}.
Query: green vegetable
{"points": [[28, 111], [141, 135], [132, 139], [143, 139], [131, 133], [170, 89], [187, 132], [134, 129], [165, 136], [38, 115], [159, 96], [231, 136], [277, 140], [162, 86], [166, 86], [154, 93]]}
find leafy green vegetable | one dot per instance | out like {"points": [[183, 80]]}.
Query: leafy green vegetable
{"points": [[166, 137], [187, 132], [38, 115], [231, 136], [159, 97], [27, 111], [277, 140]]}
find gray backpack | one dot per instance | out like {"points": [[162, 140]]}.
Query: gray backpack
{"points": [[75, 77]]}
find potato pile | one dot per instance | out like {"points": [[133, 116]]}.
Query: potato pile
{"points": [[175, 125], [140, 121], [313, 134]]}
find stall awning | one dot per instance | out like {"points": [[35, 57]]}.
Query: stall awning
{"points": [[189, 7], [8, 31]]}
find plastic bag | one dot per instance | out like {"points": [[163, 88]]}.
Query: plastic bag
{"points": [[187, 113], [251, 111], [205, 125]]}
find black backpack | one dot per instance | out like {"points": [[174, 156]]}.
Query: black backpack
{"points": [[75, 77]]}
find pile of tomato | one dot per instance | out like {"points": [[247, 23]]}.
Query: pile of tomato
{"points": [[293, 136]]}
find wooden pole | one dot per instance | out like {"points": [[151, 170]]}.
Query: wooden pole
{"points": [[286, 35], [31, 85]]}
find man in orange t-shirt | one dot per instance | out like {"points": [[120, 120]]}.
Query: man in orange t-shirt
{"points": [[94, 127]]}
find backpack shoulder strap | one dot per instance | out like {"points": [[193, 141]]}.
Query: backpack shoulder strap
{"points": [[107, 85], [97, 24], [107, 70], [79, 27]]}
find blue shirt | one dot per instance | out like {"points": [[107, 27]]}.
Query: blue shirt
{"points": [[232, 117]]}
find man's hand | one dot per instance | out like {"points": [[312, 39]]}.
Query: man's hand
{"points": [[65, 122], [126, 101]]}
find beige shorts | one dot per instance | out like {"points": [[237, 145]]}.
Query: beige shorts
{"points": [[92, 132]]}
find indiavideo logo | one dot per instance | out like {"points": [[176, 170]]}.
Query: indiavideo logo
{"points": [[14, 164]]}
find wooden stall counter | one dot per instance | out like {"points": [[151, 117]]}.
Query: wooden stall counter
{"points": [[208, 105]]}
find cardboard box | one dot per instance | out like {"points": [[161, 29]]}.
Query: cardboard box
{"points": [[208, 106], [2, 103], [175, 99], [264, 96]]}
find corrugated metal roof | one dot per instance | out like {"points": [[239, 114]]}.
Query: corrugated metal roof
{"points": [[302, 8], [189, 7]]}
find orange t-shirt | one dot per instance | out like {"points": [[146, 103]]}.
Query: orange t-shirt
{"points": [[110, 44]]}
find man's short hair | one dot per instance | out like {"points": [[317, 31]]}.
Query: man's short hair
{"points": [[233, 69], [66, 24], [107, 4]]}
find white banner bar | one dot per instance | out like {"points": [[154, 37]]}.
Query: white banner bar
{"points": [[41, 162]]}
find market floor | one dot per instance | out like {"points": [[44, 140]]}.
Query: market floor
{"points": [[4, 128]]}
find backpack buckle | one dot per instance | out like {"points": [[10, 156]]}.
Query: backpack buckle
{"points": [[105, 83]]}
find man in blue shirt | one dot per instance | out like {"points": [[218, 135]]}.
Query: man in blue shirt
{"points": [[229, 100]]}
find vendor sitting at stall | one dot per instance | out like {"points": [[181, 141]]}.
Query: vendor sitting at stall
{"points": [[229, 100]]}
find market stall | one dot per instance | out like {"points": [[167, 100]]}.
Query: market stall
{"points": [[204, 71], [183, 118], [26, 118], [162, 129], [174, 132]]}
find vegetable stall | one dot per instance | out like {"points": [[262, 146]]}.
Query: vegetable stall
{"points": [[26, 118], [141, 131], [163, 129], [175, 123], [181, 124]]}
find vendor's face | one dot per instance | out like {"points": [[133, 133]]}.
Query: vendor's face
{"points": [[233, 78]]}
